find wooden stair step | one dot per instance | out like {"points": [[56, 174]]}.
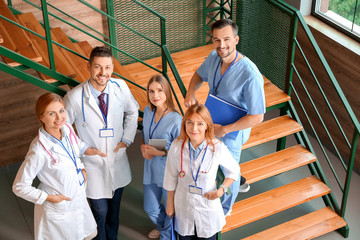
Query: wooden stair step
{"points": [[275, 200], [139, 94], [308, 226], [7, 40], [1, 39], [273, 94], [21, 43], [276, 163], [80, 64], [187, 62], [61, 64], [272, 129]]}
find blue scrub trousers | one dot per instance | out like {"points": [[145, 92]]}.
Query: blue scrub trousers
{"points": [[106, 212], [156, 211], [227, 200]]}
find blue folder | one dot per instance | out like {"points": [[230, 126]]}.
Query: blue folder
{"points": [[224, 113]]}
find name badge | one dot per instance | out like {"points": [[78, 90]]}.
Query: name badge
{"points": [[106, 132], [195, 190], [81, 177]]}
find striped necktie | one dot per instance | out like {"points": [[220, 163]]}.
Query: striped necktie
{"points": [[102, 104]]}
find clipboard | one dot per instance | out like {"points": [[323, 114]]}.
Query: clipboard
{"points": [[224, 113], [159, 144]]}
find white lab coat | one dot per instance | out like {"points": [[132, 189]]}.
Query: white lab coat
{"points": [[70, 220], [105, 174], [191, 209]]}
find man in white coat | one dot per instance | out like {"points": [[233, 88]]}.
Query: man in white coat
{"points": [[105, 115]]}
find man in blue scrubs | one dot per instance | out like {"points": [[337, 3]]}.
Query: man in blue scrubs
{"points": [[234, 78]]}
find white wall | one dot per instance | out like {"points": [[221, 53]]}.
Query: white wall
{"points": [[303, 5]]}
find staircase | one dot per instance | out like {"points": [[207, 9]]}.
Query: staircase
{"points": [[66, 63], [279, 199], [245, 211]]}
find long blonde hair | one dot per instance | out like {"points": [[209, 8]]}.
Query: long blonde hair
{"points": [[205, 115]]}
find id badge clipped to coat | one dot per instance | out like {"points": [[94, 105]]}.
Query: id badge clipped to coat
{"points": [[195, 190], [81, 176], [106, 132]]}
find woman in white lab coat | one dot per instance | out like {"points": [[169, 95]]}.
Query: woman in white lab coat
{"points": [[191, 168], [61, 208]]}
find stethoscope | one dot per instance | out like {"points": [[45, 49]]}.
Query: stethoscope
{"points": [[56, 161], [84, 124], [182, 172]]}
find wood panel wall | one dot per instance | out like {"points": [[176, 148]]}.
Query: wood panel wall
{"points": [[18, 122], [345, 66]]}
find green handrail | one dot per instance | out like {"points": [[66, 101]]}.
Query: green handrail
{"points": [[69, 16], [316, 135], [31, 79], [166, 58], [36, 66], [42, 37], [346, 105], [149, 9], [319, 115]]}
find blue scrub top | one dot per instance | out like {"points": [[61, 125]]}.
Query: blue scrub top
{"points": [[169, 129], [243, 86]]}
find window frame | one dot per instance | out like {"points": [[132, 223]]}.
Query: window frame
{"points": [[331, 22]]}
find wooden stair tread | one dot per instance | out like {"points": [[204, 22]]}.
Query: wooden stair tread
{"points": [[61, 64], [275, 200], [308, 226], [187, 62], [272, 129], [139, 94], [276, 163], [22, 43], [273, 94], [80, 64]]}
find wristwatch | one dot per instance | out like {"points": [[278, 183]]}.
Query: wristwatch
{"points": [[224, 187]]}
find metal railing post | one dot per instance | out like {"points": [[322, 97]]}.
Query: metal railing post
{"points": [[48, 34], [349, 172], [163, 43], [111, 22]]}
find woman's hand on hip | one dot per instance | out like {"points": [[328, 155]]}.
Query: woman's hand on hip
{"points": [[57, 198], [119, 145], [214, 194], [93, 151]]}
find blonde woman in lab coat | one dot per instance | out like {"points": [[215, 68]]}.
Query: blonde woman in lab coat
{"points": [[191, 168], [61, 208]]}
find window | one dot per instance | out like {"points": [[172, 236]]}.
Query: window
{"points": [[342, 14]]}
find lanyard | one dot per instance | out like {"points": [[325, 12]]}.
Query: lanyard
{"points": [[221, 78], [62, 145], [197, 173], [152, 120]]}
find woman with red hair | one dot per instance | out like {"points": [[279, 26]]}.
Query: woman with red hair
{"points": [[61, 209], [191, 167]]}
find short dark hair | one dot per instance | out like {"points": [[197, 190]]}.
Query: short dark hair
{"points": [[100, 51], [223, 23]]}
